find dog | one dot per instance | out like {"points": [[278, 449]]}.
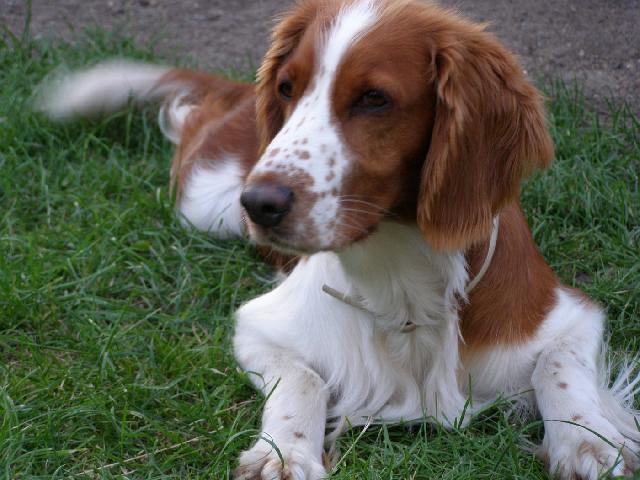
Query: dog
{"points": [[378, 161]]}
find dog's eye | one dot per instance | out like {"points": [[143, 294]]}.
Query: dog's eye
{"points": [[285, 89], [372, 101]]}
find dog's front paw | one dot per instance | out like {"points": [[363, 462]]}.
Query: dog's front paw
{"points": [[585, 455], [262, 462]]}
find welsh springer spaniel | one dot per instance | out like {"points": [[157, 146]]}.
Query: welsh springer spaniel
{"points": [[382, 149]]}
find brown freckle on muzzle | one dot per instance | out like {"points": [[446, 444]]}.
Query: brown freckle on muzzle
{"points": [[299, 178], [330, 177], [274, 152], [303, 154]]}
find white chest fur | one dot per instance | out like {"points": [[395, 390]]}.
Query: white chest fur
{"points": [[370, 366]]}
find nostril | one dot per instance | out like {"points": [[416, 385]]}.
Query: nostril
{"points": [[268, 208], [267, 204], [278, 201]]}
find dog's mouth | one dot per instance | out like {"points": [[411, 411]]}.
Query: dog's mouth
{"points": [[301, 245], [281, 243]]}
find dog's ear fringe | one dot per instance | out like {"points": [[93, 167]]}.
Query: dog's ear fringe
{"points": [[490, 132]]}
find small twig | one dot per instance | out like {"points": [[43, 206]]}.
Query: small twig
{"points": [[234, 406], [365, 427], [144, 456], [356, 302]]}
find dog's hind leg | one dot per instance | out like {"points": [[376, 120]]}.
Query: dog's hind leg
{"points": [[217, 149]]}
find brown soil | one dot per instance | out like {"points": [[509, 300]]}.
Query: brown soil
{"points": [[595, 41]]}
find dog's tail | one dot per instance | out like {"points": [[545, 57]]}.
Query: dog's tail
{"points": [[109, 86]]}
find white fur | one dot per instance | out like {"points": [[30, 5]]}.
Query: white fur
{"points": [[311, 131], [173, 115], [211, 198], [368, 367], [417, 285]]}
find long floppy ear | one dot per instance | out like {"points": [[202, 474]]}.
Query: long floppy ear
{"points": [[284, 38], [490, 132]]}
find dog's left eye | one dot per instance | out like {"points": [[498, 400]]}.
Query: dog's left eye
{"points": [[371, 101], [285, 89]]}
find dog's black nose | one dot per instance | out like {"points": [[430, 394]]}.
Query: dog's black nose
{"points": [[267, 204]]}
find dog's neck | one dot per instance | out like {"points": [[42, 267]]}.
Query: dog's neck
{"points": [[401, 279]]}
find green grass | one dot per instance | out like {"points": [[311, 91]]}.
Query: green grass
{"points": [[115, 322]]}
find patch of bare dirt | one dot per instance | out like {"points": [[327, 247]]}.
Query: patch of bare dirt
{"points": [[596, 42]]}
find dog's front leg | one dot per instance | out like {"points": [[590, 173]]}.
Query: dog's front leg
{"points": [[293, 423], [588, 431]]}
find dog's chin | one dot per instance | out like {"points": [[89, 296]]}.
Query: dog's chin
{"points": [[289, 246], [266, 238]]}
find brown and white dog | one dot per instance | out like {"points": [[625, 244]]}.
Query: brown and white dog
{"points": [[384, 144]]}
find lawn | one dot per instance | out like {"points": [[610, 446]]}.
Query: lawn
{"points": [[115, 322]]}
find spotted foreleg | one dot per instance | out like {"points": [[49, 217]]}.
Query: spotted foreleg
{"points": [[291, 440], [587, 428]]}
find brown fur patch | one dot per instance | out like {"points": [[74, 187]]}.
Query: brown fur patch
{"points": [[490, 132], [515, 295]]}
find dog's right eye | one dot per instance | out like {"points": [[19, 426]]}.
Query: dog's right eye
{"points": [[371, 101], [285, 89]]}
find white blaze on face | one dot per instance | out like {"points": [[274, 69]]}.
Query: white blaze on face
{"points": [[310, 142]]}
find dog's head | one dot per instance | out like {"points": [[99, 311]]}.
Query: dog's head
{"points": [[374, 109]]}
